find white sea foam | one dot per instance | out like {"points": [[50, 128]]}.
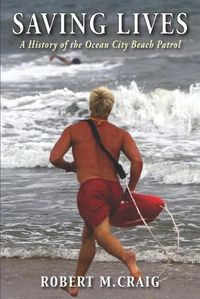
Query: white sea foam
{"points": [[172, 173], [163, 172], [27, 156], [40, 69], [31, 125], [161, 109], [184, 256]]}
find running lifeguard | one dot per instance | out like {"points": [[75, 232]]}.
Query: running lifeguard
{"points": [[100, 192]]}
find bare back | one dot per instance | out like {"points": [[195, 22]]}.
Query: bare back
{"points": [[89, 159]]}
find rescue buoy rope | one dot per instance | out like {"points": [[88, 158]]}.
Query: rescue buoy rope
{"points": [[170, 256]]}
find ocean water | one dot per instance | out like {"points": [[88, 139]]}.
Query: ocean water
{"points": [[157, 100]]}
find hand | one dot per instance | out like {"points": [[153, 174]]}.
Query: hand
{"points": [[73, 166], [70, 167], [126, 196]]}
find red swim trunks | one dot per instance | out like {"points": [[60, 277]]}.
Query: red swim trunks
{"points": [[97, 199]]}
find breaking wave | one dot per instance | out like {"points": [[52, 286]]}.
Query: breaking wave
{"points": [[32, 124], [184, 256]]}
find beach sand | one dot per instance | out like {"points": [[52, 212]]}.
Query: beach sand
{"points": [[20, 279]]}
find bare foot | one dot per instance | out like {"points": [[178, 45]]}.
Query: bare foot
{"points": [[73, 291], [132, 266]]}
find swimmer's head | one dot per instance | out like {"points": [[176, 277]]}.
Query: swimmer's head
{"points": [[76, 61], [101, 101]]}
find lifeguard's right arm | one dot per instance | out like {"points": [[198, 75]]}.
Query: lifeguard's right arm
{"points": [[60, 149], [131, 151]]}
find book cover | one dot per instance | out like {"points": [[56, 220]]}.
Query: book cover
{"points": [[52, 56]]}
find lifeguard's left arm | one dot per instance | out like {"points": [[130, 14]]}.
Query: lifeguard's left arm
{"points": [[132, 152], [60, 149]]}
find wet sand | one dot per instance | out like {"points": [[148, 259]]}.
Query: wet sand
{"points": [[20, 279]]}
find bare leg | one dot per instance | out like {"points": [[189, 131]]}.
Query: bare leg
{"points": [[86, 256], [87, 252], [113, 246]]}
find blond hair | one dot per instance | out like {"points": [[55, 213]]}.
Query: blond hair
{"points": [[101, 101]]}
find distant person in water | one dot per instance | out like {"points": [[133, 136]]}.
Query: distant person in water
{"points": [[65, 60]]}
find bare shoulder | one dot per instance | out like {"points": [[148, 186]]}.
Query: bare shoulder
{"points": [[82, 125], [116, 128], [77, 125], [77, 128], [74, 125], [67, 128], [122, 132]]}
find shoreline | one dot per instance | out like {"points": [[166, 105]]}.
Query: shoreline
{"points": [[21, 278]]}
